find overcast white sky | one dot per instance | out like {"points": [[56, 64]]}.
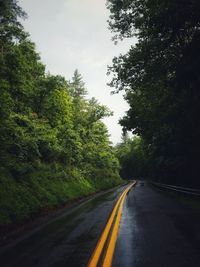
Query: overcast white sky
{"points": [[72, 34]]}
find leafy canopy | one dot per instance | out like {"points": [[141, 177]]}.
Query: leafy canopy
{"points": [[161, 80]]}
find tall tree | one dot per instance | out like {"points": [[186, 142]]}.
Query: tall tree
{"points": [[160, 76], [53, 144], [77, 86]]}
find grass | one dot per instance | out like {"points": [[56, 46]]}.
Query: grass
{"points": [[44, 189]]}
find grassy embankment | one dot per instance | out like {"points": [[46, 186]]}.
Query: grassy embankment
{"points": [[46, 189]]}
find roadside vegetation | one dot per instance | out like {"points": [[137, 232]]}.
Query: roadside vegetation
{"points": [[54, 146], [131, 156], [160, 78]]}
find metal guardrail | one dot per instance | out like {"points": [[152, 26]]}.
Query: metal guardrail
{"points": [[179, 189]]}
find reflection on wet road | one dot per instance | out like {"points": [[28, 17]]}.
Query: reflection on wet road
{"points": [[67, 241], [156, 230]]}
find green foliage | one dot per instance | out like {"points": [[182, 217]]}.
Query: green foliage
{"points": [[132, 157], [160, 76], [46, 188], [53, 145], [77, 87]]}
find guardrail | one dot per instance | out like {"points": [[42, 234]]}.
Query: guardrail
{"points": [[179, 189]]}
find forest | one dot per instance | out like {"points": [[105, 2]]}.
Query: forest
{"points": [[54, 146], [160, 78]]}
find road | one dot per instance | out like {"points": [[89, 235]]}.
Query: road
{"points": [[155, 230], [66, 241]]}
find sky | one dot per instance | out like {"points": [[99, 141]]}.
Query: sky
{"points": [[74, 34]]}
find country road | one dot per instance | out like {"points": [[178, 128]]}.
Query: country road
{"points": [[154, 230], [157, 231]]}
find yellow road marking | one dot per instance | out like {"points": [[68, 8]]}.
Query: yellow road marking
{"points": [[111, 247], [100, 245], [97, 252]]}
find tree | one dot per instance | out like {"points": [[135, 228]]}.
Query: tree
{"points": [[53, 144], [131, 155], [77, 87], [160, 77]]}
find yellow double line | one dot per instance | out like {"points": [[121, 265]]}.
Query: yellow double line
{"points": [[107, 261]]}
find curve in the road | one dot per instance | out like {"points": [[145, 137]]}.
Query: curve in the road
{"points": [[114, 220]]}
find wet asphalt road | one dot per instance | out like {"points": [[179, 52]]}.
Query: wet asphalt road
{"points": [[155, 231], [67, 241]]}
